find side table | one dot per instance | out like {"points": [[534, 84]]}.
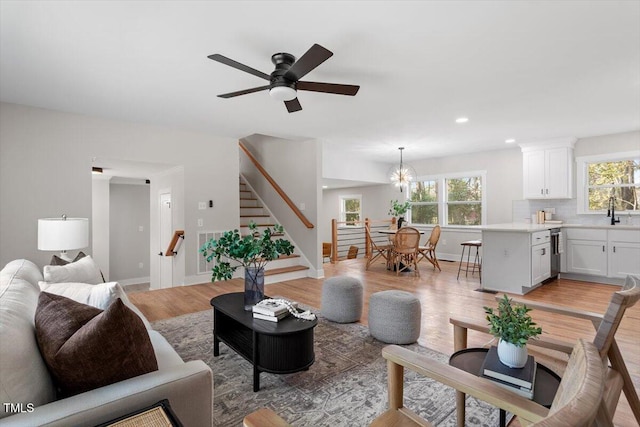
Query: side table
{"points": [[470, 360]]}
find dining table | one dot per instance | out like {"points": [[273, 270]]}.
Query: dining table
{"points": [[391, 232]]}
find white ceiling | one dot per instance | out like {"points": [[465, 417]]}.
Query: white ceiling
{"points": [[527, 70]]}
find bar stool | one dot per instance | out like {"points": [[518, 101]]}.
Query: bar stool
{"points": [[476, 261]]}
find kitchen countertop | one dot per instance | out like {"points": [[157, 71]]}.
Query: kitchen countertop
{"points": [[531, 228]]}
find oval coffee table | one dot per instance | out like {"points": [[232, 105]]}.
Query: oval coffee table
{"points": [[280, 347]]}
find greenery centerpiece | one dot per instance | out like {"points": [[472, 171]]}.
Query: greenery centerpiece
{"points": [[514, 327], [252, 252], [399, 209]]}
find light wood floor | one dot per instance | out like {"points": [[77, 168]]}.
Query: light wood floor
{"points": [[442, 296]]}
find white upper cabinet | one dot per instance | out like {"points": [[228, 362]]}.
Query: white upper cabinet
{"points": [[548, 169]]}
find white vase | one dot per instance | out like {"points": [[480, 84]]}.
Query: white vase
{"points": [[512, 355]]}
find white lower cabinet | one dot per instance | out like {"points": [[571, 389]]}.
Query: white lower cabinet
{"points": [[540, 263], [607, 253]]}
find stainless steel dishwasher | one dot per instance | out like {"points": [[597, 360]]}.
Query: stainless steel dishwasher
{"points": [[555, 253]]}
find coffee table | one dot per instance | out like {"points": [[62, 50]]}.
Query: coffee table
{"points": [[470, 360], [280, 347]]}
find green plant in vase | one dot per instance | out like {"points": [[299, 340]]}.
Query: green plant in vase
{"points": [[252, 252], [399, 209], [513, 326]]}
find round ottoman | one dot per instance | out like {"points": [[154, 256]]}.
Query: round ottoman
{"points": [[342, 299], [394, 317]]}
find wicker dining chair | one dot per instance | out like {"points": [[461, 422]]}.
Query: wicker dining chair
{"points": [[428, 251], [405, 249]]}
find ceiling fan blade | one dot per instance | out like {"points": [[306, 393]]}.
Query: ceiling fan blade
{"points": [[293, 105], [315, 56], [338, 89], [239, 66], [243, 92]]}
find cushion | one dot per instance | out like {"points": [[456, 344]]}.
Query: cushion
{"points": [[87, 348], [24, 377], [99, 296], [56, 260], [84, 270], [22, 269]]}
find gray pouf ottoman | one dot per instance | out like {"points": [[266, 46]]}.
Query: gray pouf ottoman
{"points": [[342, 299], [394, 317]]}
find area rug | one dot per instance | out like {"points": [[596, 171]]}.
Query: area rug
{"points": [[346, 386]]}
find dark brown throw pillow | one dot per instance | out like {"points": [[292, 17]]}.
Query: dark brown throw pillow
{"points": [[56, 260], [86, 348]]}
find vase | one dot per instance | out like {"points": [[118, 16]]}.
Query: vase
{"points": [[400, 221], [253, 287], [512, 355]]}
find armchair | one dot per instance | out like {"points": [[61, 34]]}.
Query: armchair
{"points": [[606, 326], [575, 404]]}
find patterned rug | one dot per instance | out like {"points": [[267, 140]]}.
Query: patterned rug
{"points": [[346, 386]]}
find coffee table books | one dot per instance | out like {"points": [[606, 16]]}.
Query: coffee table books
{"points": [[273, 307], [269, 317], [519, 380]]}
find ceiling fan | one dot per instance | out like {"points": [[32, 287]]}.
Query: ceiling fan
{"points": [[284, 81]]}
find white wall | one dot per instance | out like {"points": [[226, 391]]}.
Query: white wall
{"points": [[129, 232], [100, 223], [45, 171], [296, 167]]}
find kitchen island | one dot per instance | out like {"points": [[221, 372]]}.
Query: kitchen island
{"points": [[516, 256]]}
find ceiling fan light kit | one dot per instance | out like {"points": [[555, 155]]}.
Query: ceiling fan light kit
{"points": [[285, 79]]}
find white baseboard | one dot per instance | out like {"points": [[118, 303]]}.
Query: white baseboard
{"points": [[134, 281]]}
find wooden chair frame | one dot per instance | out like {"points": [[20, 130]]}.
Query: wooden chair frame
{"points": [[428, 251], [575, 404], [606, 326], [376, 251], [405, 249]]}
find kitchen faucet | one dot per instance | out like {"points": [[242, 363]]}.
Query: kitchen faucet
{"points": [[611, 211]]}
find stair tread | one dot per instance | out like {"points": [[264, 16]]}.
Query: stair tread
{"points": [[255, 216], [258, 225], [272, 234], [285, 270]]}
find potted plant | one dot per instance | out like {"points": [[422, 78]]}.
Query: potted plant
{"points": [[252, 252], [513, 326], [399, 209]]}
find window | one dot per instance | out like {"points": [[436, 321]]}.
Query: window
{"points": [[350, 209], [449, 199], [464, 201], [614, 175]]}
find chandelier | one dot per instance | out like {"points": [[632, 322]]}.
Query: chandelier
{"points": [[401, 175]]}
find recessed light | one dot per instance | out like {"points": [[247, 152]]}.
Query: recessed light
{"points": [[462, 120], [510, 141], [325, 186]]}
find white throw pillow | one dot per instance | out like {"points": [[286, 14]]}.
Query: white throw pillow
{"points": [[99, 296], [85, 270]]}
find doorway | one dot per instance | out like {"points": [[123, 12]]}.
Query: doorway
{"points": [[166, 232]]}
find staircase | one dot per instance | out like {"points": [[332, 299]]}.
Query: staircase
{"points": [[287, 267]]}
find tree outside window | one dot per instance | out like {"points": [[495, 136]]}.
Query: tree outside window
{"points": [[350, 209], [619, 179], [424, 202], [464, 201]]}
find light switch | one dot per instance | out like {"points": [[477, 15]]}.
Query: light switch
{"points": [[200, 222], [302, 206], [140, 228], [202, 205]]}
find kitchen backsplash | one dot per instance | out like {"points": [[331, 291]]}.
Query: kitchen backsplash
{"points": [[566, 212]]}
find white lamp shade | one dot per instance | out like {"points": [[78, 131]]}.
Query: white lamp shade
{"points": [[283, 93], [58, 234]]}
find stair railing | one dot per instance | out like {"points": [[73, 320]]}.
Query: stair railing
{"points": [[276, 187], [345, 234], [171, 250]]}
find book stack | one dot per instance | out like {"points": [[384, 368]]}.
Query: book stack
{"points": [[518, 380], [271, 310]]}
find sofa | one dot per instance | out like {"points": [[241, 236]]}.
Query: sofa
{"points": [[28, 394]]}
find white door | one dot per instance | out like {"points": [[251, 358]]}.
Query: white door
{"points": [[166, 232], [557, 174], [624, 259], [587, 257], [534, 174]]}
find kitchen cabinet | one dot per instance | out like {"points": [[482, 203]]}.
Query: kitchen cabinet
{"points": [[607, 253], [515, 261], [624, 253], [548, 170]]}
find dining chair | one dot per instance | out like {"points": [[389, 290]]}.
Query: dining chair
{"points": [[575, 404], [428, 251], [326, 250], [606, 325], [353, 252], [405, 249], [376, 250]]}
